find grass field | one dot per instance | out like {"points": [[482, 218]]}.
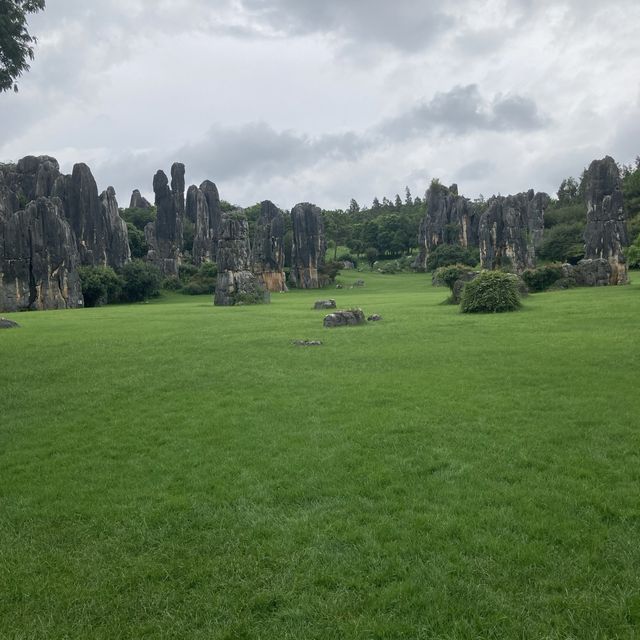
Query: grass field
{"points": [[176, 470]]}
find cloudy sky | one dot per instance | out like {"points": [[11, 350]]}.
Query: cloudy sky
{"points": [[325, 100]]}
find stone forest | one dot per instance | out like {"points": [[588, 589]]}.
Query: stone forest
{"points": [[52, 224]]}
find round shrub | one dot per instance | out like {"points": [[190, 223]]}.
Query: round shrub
{"points": [[100, 285], [141, 280], [491, 292], [542, 278]]}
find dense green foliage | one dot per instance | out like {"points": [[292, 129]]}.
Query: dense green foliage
{"points": [[450, 274], [16, 43], [100, 285], [448, 254], [491, 292], [137, 243], [192, 475], [140, 281], [542, 278], [563, 243], [201, 280], [139, 218]]}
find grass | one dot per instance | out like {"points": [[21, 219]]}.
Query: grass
{"points": [[175, 470]]}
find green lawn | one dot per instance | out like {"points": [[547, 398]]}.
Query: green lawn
{"points": [[177, 470]]}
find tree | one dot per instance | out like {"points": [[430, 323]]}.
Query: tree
{"points": [[397, 202], [141, 280], [408, 200], [371, 254], [568, 191], [16, 44], [376, 203], [354, 207]]}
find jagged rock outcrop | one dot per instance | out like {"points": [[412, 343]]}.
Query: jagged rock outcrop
{"points": [[450, 219], [236, 284], [308, 247], [203, 209], [349, 317], [100, 232], [268, 248], [39, 262], [592, 272], [606, 232], [138, 201], [510, 230], [164, 236], [117, 237]]}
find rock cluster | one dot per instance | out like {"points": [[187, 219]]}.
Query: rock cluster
{"points": [[236, 284], [592, 272], [268, 248], [451, 219], [203, 210], [308, 247], [510, 230], [324, 304], [345, 318], [164, 236], [138, 201], [50, 224], [606, 232]]}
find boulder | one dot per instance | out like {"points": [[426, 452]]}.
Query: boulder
{"points": [[324, 304], [450, 219], [39, 264], [138, 201], [5, 323], [307, 343], [358, 283], [606, 232], [510, 230], [236, 284], [374, 317], [268, 248], [593, 272], [308, 247], [345, 318]]}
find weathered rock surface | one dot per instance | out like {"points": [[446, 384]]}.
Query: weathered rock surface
{"points": [[39, 265], [309, 246], [606, 232], [593, 272], [100, 232], [510, 230], [374, 317], [325, 304], [138, 201], [235, 283], [164, 237], [307, 343], [459, 285], [268, 248], [450, 219], [5, 323], [203, 209], [345, 318]]}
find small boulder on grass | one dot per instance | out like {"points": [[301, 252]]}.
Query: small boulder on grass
{"points": [[491, 292], [5, 323], [345, 318], [325, 304]]}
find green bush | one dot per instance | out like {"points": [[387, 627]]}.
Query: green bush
{"points": [[491, 292], [141, 281], [450, 274], [137, 243], [199, 280], [328, 272], [348, 257], [542, 278], [172, 283], [446, 254], [100, 285], [563, 243], [390, 267]]}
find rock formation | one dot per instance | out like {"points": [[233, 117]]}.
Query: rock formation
{"points": [[138, 201], [510, 230], [268, 248], [592, 272], [39, 263], [203, 209], [450, 219], [236, 284], [309, 246], [346, 318], [606, 232], [50, 224], [164, 236]]}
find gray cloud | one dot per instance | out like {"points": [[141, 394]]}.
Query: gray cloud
{"points": [[463, 109]]}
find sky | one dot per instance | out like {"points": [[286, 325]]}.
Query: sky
{"points": [[328, 100]]}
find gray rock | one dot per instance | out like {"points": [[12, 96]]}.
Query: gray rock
{"points": [[325, 304], [236, 284], [345, 318], [594, 272], [5, 323], [307, 343], [203, 209], [39, 262], [450, 219], [117, 238], [308, 247], [374, 317], [510, 230], [268, 248], [358, 283], [138, 201], [339, 286], [606, 232], [166, 244]]}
